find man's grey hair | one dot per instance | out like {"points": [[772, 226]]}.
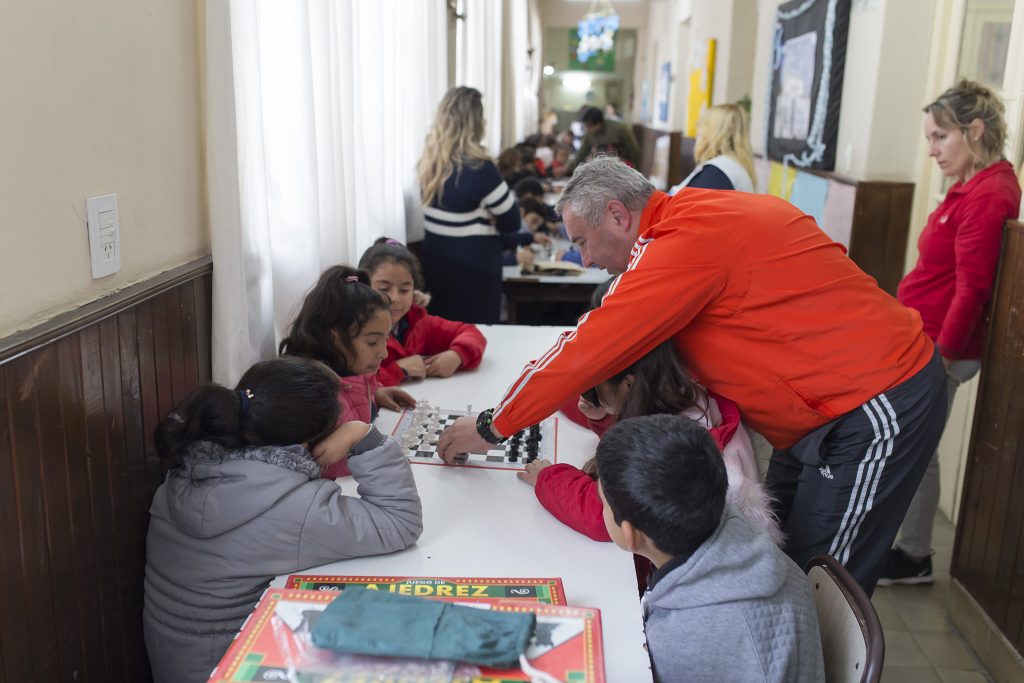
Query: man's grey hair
{"points": [[600, 180]]}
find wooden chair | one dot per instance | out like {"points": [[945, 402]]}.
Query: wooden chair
{"points": [[851, 635]]}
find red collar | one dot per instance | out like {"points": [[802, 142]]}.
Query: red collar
{"points": [[653, 210], [1002, 166], [415, 314]]}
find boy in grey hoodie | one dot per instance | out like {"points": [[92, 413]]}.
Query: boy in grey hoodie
{"points": [[725, 604]]}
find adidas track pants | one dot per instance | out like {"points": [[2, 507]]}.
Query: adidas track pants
{"points": [[844, 488]]}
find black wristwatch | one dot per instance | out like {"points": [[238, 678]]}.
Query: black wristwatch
{"points": [[483, 427]]}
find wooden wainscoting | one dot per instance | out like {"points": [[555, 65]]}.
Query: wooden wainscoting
{"points": [[988, 555], [647, 138], [881, 224], [79, 399]]}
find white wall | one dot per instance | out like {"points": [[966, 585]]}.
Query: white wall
{"points": [[732, 23], [659, 47], [99, 97], [678, 31], [887, 56]]}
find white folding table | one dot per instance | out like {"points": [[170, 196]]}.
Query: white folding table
{"points": [[487, 523]]}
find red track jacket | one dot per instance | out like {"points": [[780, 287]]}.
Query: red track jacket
{"points": [[763, 307]]}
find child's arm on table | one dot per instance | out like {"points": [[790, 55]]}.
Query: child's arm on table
{"points": [[386, 517], [393, 398], [585, 414], [414, 367], [464, 340], [339, 443], [444, 364], [570, 495], [391, 373]]}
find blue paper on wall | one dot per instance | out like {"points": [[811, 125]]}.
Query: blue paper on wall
{"points": [[809, 195]]}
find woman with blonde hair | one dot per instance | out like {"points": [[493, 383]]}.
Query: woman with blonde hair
{"points": [[722, 151], [951, 285], [470, 214]]}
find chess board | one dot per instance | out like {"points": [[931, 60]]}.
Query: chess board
{"points": [[417, 432]]}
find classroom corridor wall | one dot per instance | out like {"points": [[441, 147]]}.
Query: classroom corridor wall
{"points": [[100, 97]]}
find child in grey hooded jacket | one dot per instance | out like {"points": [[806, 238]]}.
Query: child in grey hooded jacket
{"points": [[244, 502], [725, 604]]}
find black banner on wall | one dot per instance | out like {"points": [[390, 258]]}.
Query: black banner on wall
{"points": [[808, 58]]}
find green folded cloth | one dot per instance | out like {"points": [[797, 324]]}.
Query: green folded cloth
{"points": [[373, 622]]}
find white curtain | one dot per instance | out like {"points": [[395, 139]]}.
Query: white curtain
{"points": [[478, 62], [498, 52], [521, 57], [316, 112]]}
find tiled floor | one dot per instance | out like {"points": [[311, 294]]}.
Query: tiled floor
{"points": [[921, 645]]}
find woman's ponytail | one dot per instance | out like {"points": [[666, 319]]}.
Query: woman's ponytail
{"points": [[210, 413], [278, 402]]}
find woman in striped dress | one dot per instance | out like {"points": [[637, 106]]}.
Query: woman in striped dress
{"points": [[470, 214]]}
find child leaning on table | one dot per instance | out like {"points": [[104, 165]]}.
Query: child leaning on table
{"points": [[725, 604], [657, 383], [243, 502], [345, 324], [421, 345]]}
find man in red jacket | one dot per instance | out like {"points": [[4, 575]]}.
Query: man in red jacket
{"points": [[768, 312]]}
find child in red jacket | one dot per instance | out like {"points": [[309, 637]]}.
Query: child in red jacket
{"points": [[421, 345], [655, 384]]}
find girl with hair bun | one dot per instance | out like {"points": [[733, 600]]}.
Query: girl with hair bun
{"points": [[951, 285], [243, 502]]}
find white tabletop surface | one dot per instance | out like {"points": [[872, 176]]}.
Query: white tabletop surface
{"points": [[590, 276], [487, 523]]}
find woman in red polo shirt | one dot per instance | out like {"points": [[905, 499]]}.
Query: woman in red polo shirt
{"points": [[951, 285]]}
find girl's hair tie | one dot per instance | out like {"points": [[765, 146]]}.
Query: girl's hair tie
{"points": [[352, 278], [393, 242], [245, 395]]}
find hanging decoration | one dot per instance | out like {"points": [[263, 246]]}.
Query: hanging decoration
{"points": [[597, 30]]}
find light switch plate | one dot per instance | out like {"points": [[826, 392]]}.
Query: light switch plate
{"points": [[104, 235]]}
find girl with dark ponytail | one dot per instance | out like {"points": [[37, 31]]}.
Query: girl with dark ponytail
{"points": [[345, 324], [244, 501], [276, 403]]}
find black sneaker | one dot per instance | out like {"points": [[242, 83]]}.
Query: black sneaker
{"points": [[901, 568]]}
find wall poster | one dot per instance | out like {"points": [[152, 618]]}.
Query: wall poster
{"points": [[702, 83], [808, 60], [664, 91]]}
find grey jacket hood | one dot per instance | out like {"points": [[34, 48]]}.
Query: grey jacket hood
{"points": [[737, 610], [735, 564], [222, 489]]}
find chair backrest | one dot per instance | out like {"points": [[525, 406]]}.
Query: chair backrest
{"points": [[851, 635]]}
